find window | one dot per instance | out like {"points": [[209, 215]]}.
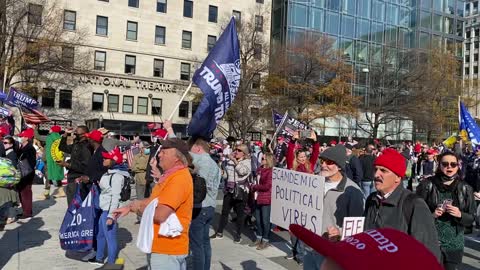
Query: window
{"points": [[259, 1], [162, 6], [187, 9], [475, 57], [238, 16], [69, 20], [183, 109], [142, 106], [48, 98], [186, 40], [475, 70], [132, 30], [112, 103], [467, 71], [65, 99], [102, 26], [68, 55], [158, 68], [100, 60], [127, 104], [257, 51], [212, 14], [130, 61], [185, 71], [32, 51], [156, 106], [254, 112], [258, 23], [211, 40], [133, 3], [97, 102], [256, 81], [35, 14], [159, 35]]}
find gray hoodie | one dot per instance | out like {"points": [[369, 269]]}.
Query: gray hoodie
{"points": [[110, 195]]}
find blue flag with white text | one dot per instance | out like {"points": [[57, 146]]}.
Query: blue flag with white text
{"points": [[468, 125], [218, 78], [17, 98]]}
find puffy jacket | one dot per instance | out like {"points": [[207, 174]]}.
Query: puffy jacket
{"points": [[264, 187], [110, 193]]}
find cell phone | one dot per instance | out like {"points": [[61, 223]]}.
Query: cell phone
{"points": [[305, 133]]}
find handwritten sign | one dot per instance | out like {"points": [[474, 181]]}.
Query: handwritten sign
{"points": [[297, 198], [352, 226]]}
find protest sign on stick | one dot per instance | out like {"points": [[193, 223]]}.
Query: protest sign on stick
{"points": [[352, 226], [297, 198]]}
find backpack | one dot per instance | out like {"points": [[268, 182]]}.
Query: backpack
{"points": [[199, 188], [126, 191]]}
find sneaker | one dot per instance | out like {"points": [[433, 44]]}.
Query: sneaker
{"points": [[256, 243], [89, 256], [217, 236], [290, 257], [237, 240], [60, 194], [95, 262], [263, 245]]}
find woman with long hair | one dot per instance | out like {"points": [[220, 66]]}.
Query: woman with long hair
{"points": [[452, 203]]}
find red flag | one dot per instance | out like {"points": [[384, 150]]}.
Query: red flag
{"points": [[33, 116]]}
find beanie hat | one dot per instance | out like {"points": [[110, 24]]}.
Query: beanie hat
{"points": [[337, 154], [393, 161]]}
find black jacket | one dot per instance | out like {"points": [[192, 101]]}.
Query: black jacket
{"points": [[463, 198], [29, 154], [12, 156], [367, 161], [80, 154], [95, 168], [353, 169], [389, 213]]}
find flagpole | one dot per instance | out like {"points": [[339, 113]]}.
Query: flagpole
{"points": [[278, 128], [180, 101]]}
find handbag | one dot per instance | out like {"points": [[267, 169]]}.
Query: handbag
{"points": [[24, 167], [238, 193]]}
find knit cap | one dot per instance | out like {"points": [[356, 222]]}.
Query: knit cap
{"points": [[393, 161], [337, 154]]}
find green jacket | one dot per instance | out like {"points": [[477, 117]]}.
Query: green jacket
{"points": [[54, 171]]}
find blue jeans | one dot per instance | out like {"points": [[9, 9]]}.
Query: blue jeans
{"points": [[162, 261], [298, 248], [312, 260], [200, 240], [367, 188], [107, 235], [262, 217]]}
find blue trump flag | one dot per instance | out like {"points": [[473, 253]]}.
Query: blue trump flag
{"points": [[468, 125], [218, 78], [17, 98]]}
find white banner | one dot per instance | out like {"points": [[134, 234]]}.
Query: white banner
{"points": [[297, 198]]}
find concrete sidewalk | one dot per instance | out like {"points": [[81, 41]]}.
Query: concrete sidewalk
{"points": [[34, 244]]}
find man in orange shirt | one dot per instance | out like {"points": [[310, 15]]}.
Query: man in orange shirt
{"points": [[174, 191]]}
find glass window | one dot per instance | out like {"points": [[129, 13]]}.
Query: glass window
{"points": [[97, 102], [348, 26], [69, 20], [449, 7], [258, 23], [364, 8], [347, 49], [127, 105], [48, 98], [376, 54], [68, 56], [211, 40], [156, 106], [333, 4], [256, 81], [436, 42], [363, 29], [391, 35], [162, 6], [112, 103], [132, 30], [187, 9], [349, 7], [377, 32], [424, 41], [332, 22], [448, 26], [130, 63], [427, 4], [404, 38], [467, 71], [185, 71], [460, 8], [438, 5], [257, 51], [378, 10], [316, 19], [425, 19], [460, 28], [361, 51], [319, 3], [392, 14], [100, 60], [102, 26], [298, 15], [186, 40], [237, 15], [183, 109], [133, 3], [142, 105], [65, 99], [404, 17], [212, 14], [159, 35], [437, 23], [158, 65], [35, 14]]}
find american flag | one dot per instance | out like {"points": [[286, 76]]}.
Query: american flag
{"points": [[132, 151], [154, 126], [34, 116], [123, 139]]}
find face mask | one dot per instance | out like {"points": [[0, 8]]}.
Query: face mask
{"points": [[154, 139], [146, 151]]}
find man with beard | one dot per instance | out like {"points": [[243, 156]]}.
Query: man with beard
{"points": [[342, 198], [395, 207]]}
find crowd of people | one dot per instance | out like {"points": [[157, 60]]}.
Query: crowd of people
{"points": [[431, 193]]}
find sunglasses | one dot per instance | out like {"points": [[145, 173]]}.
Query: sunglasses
{"points": [[238, 150], [6, 143], [328, 162], [452, 164]]}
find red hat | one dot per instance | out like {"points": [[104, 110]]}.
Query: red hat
{"points": [[259, 143], [160, 133], [333, 142], [115, 155], [29, 133], [95, 135], [56, 129], [280, 138], [393, 161], [431, 152], [384, 248], [3, 131]]}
